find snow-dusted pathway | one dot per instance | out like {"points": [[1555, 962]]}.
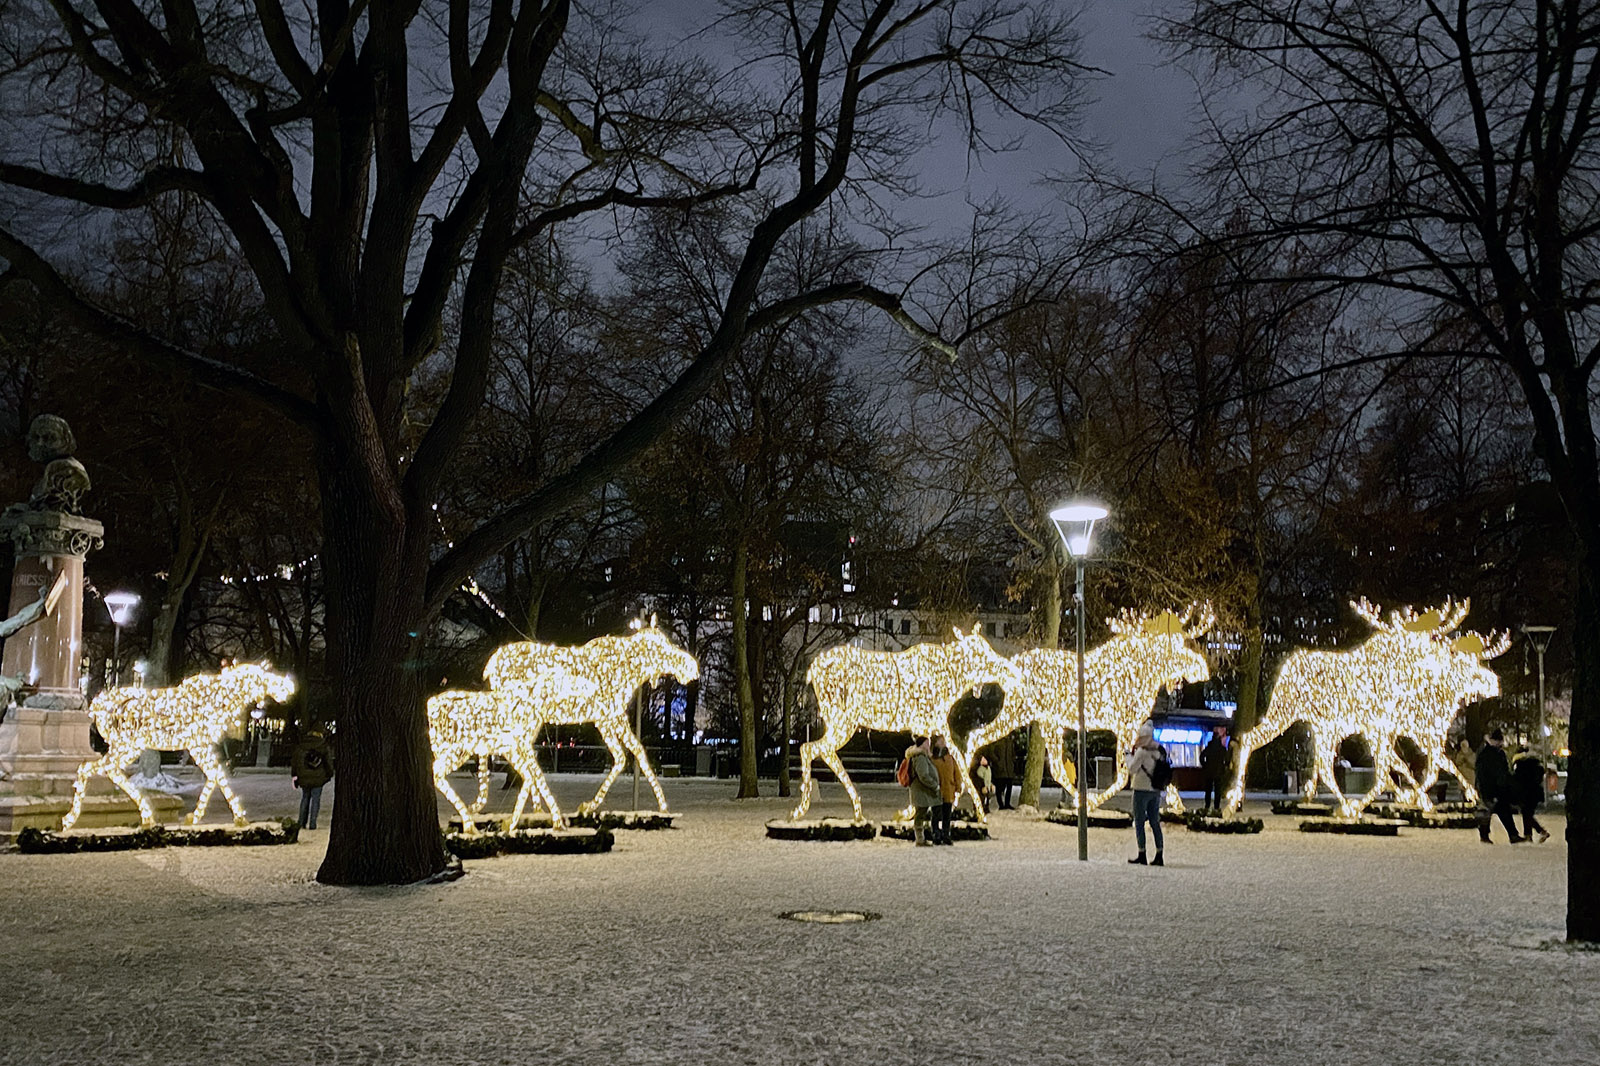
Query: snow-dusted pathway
{"points": [[1283, 948]]}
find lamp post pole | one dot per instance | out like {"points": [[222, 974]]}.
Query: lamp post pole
{"points": [[1083, 728], [1539, 637], [1075, 522], [638, 732]]}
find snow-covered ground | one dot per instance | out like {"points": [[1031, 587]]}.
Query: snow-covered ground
{"points": [[1280, 948]]}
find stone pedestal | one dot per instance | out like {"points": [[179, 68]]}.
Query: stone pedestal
{"points": [[45, 739], [48, 652]]}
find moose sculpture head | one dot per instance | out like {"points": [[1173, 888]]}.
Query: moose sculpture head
{"points": [[1156, 648], [972, 659], [1427, 657]]}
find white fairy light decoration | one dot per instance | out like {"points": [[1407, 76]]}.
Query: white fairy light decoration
{"points": [[1121, 680], [911, 690], [614, 666], [463, 725], [1408, 679], [191, 715]]}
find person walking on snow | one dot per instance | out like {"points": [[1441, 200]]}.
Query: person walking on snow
{"points": [[924, 789], [1146, 796], [949, 786], [311, 768], [1527, 791], [1493, 774]]}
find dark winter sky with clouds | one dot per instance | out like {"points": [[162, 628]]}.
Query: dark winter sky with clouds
{"points": [[1141, 114]]}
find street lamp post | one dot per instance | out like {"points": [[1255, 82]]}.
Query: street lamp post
{"points": [[120, 606], [1539, 637], [1075, 522]]}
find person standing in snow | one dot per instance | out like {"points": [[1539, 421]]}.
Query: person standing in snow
{"points": [[1494, 788], [924, 789], [1214, 764], [949, 784], [311, 767], [1146, 797], [1527, 791], [1002, 756], [983, 778], [1464, 760]]}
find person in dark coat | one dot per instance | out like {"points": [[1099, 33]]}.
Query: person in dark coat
{"points": [[1493, 774], [1002, 756], [1527, 791], [311, 767], [1214, 759]]}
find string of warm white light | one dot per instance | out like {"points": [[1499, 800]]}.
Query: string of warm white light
{"points": [[1408, 679], [192, 715], [615, 667], [1121, 680], [911, 690], [282, 572]]}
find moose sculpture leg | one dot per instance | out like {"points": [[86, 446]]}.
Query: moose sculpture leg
{"points": [[216, 777], [446, 760], [109, 765], [826, 748], [524, 759]]}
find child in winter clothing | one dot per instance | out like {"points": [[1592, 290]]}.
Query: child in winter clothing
{"points": [[983, 777]]}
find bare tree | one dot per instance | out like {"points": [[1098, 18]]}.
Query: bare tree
{"points": [[377, 164], [1438, 158]]}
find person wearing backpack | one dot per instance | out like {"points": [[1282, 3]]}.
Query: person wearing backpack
{"points": [[1149, 771], [922, 777], [311, 767]]}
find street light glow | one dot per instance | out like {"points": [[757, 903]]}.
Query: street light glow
{"points": [[1079, 511], [1075, 522], [120, 606]]}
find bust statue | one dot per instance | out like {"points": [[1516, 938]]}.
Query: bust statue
{"points": [[50, 441]]}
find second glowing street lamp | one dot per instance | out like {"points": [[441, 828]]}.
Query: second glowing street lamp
{"points": [[1075, 522], [1539, 637], [120, 606]]}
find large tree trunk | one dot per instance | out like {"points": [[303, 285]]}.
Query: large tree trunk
{"points": [[193, 535], [1248, 710], [385, 819], [749, 738], [1049, 637]]}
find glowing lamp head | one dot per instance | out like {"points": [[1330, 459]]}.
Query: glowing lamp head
{"points": [[1075, 522], [120, 605]]}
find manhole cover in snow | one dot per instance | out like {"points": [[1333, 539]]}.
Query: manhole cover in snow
{"points": [[829, 917]]}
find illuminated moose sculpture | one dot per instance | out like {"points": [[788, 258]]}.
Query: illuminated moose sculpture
{"points": [[902, 690], [1121, 680], [192, 715], [467, 724], [1408, 679], [614, 666]]}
